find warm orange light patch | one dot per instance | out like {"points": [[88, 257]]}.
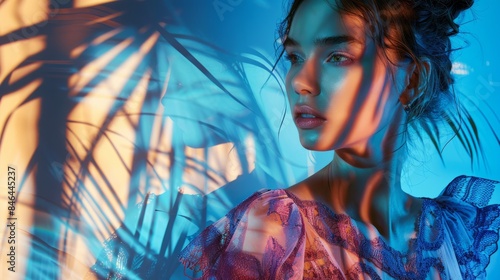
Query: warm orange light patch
{"points": [[19, 15], [19, 124], [101, 190], [88, 3], [16, 51]]}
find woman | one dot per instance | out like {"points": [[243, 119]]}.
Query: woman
{"points": [[362, 75]]}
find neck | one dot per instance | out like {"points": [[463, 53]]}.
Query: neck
{"points": [[372, 195], [364, 182]]}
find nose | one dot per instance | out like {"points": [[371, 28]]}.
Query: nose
{"points": [[306, 80]]}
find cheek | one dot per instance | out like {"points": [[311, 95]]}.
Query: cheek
{"points": [[359, 101], [377, 105], [340, 103], [290, 91], [339, 87]]}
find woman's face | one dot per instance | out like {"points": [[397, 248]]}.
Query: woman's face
{"points": [[339, 85]]}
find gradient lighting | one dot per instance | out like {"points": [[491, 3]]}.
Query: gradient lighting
{"points": [[82, 119]]}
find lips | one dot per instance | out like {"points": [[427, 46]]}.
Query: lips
{"points": [[306, 117]]}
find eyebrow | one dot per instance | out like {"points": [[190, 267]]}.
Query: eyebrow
{"points": [[324, 41]]}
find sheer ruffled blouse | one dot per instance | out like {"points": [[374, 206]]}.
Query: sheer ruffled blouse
{"points": [[275, 235]]}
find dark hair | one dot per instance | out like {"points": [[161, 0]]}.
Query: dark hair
{"points": [[416, 29]]}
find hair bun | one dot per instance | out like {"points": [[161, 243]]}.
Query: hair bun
{"points": [[439, 15], [458, 6], [453, 8]]}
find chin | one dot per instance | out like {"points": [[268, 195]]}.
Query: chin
{"points": [[311, 140], [313, 145]]}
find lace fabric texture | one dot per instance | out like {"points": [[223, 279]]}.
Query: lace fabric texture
{"points": [[275, 235]]}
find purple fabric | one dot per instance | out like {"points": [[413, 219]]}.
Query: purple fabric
{"points": [[275, 235]]}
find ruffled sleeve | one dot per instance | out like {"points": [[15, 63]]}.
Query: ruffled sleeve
{"points": [[472, 224], [259, 239]]}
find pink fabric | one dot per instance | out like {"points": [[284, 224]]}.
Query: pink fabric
{"points": [[275, 235]]}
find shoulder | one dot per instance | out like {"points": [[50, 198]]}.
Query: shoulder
{"points": [[259, 212], [252, 240], [472, 190], [471, 222], [263, 207]]}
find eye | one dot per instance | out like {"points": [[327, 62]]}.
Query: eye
{"points": [[339, 59], [292, 58]]}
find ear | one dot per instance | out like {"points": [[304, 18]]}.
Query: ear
{"points": [[417, 78]]}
